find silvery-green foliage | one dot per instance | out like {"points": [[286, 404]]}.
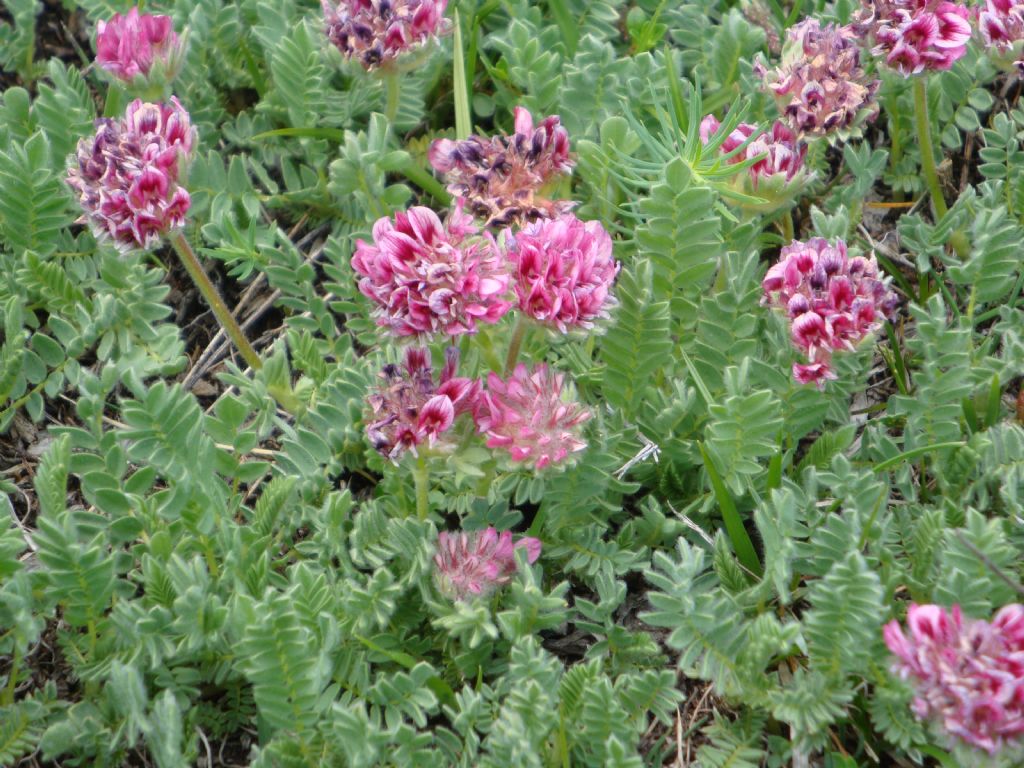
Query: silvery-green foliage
{"points": [[215, 569]]}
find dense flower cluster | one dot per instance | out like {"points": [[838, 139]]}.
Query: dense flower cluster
{"points": [[501, 178], [1001, 23], [563, 270], [426, 277], [377, 32], [409, 409], [138, 45], [968, 676], [779, 173], [127, 175], [832, 301], [530, 416], [820, 86], [470, 565], [916, 35]]}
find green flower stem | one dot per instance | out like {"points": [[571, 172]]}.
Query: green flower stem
{"points": [[7, 697], [426, 181], [421, 477], [924, 138], [220, 309], [516, 343], [786, 225], [463, 114], [393, 89]]}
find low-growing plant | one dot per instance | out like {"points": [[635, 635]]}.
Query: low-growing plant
{"points": [[617, 384]]}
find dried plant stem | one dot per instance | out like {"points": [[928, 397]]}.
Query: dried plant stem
{"points": [[924, 138], [421, 478], [220, 309]]}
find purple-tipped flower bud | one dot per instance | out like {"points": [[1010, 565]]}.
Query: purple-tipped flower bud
{"points": [[127, 175], [502, 179], [832, 302], [915, 35], [777, 177], [471, 565], [410, 409], [563, 271], [820, 86], [968, 676], [530, 416], [378, 32], [1001, 23], [427, 277], [139, 49]]}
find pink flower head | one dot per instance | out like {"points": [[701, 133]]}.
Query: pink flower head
{"points": [[832, 302], [968, 675], [139, 46], [778, 176], [501, 178], [563, 270], [529, 416], [1001, 23], [916, 35], [426, 277], [469, 565], [127, 175], [409, 409], [820, 86], [378, 32]]}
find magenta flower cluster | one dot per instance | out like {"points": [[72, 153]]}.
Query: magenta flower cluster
{"points": [[832, 302], [563, 271], [130, 47], [410, 409], [502, 178], [1001, 23], [530, 415], [428, 277], [778, 173], [377, 32], [968, 676], [820, 86], [473, 565], [914, 36], [126, 176]]}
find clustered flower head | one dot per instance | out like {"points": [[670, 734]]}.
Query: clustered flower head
{"points": [[139, 47], [779, 173], [1002, 27], [378, 32], [968, 676], [820, 86], [470, 565], [410, 409], [563, 270], [832, 301], [502, 178], [127, 175], [916, 35], [428, 277], [531, 416]]}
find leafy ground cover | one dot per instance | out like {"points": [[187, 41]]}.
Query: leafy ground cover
{"points": [[576, 383]]}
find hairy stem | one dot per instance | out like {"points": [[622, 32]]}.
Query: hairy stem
{"points": [[515, 344], [393, 88], [421, 477], [786, 226], [220, 309], [924, 138]]}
